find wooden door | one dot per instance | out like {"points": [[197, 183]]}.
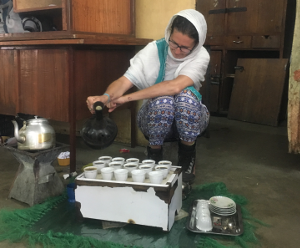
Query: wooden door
{"points": [[210, 88], [242, 17], [250, 17], [270, 17], [257, 91], [214, 13]]}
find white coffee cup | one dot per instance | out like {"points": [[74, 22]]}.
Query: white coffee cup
{"points": [[132, 160], [107, 159], [107, 173], [118, 159], [156, 177], [147, 168], [121, 174], [166, 162], [163, 168], [148, 161], [99, 164], [130, 167], [138, 175], [90, 172], [116, 165]]}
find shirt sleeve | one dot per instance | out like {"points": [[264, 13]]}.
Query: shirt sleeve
{"points": [[144, 67], [196, 68]]}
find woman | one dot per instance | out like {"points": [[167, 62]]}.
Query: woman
{"points": [[168, 73]]}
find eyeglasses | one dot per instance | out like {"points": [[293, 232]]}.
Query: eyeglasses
{"points": [[183, 49]]}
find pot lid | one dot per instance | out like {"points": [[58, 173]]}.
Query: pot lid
{"points": [[37, 120]]}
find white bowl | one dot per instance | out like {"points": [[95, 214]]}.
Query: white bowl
{"points": [[138, 175], [107, 159], [118, 159], [121, 174], [130, 167], [99, 164], [116, 165], [147, 168], [132, 160], [148, 161], [163, 168], [156, 177], [107, 173], [90, 172], [166, 162]]}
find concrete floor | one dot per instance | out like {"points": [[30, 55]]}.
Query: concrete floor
{"points": [[252, 160]]}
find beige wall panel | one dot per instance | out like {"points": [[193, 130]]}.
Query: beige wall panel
{"points": [[294, 90], [153, 16]]}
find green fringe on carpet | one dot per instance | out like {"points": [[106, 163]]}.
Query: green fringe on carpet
{"points": [[15, 225]]}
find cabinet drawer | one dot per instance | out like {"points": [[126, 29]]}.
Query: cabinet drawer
{"points": [[238, 42], [266, 41], [212, 40]]}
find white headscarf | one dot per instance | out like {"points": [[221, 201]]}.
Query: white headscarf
{"points": [[144, 67], [198, 20]]}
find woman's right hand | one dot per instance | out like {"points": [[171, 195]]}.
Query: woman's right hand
{"points": [[92, 99]]}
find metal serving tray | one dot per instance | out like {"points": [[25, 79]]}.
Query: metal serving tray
{"points": [[219, 223]]}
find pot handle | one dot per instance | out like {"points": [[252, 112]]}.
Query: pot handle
{"points": [[98, 107]]}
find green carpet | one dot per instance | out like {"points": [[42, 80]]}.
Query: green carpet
{"points": [[55, 223]]}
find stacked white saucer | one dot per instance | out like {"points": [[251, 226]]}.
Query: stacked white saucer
{"points": [[222, 205]]}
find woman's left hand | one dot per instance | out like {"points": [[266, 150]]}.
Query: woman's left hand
{"points": [[116, 103]]}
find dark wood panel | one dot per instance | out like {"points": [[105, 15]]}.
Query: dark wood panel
{"points": [[95, 70], [215, 21], [266, 41], [210, 88], [43, 87], [102, 16], [257, 91], [270, 16], [9, 93], [244, 22], [212, 40]]}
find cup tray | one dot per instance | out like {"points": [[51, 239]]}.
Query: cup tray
{"points": [[219, 223]]}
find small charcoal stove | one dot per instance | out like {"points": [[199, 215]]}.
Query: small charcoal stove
{"points": [[36, 178]]}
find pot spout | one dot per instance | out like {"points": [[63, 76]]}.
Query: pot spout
{"points": [[19, 138]]}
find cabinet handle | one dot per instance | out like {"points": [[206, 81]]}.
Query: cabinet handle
{"points": [[238, 42], [227, 10], [217, 11], [241, 9], [239, 68]]}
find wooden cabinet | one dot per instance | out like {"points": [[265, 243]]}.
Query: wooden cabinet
{"points": [[51, 74], [101, 16], [244, 29]]}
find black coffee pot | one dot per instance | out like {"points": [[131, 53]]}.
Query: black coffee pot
{"points": [[99, 131]]}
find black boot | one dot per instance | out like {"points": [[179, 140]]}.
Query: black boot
{"points": [[155, 154], [187, 160]]}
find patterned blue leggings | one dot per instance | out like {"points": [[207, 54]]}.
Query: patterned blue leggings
{"points": [[181, 116]]}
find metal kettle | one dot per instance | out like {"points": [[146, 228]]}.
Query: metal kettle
{"points": [[36, 134]]}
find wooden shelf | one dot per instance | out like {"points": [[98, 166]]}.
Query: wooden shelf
{"points": [[39, 9], [21, 6]]}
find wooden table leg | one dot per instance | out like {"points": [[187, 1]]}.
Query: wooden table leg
{"points": [[72, 110]]}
